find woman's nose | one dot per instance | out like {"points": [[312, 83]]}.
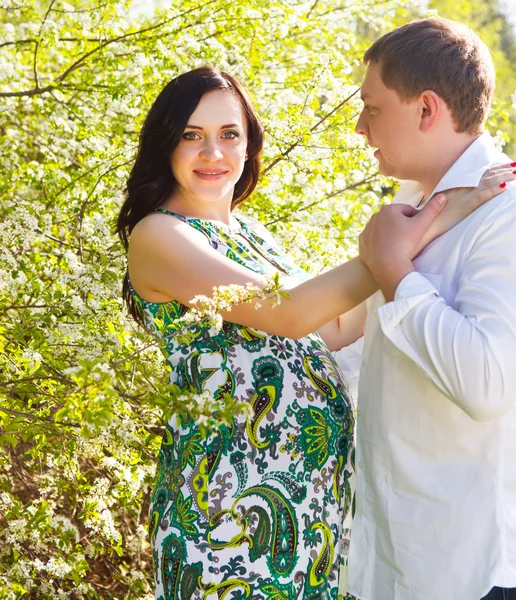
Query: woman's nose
{"points": [[211, 151]]}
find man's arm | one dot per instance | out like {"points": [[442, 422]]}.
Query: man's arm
{"points": [[346, 329], [349, 359], [467, 350]]}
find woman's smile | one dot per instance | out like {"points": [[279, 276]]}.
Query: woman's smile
{"points": [[210, 174]]}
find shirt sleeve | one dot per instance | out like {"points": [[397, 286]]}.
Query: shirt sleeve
{"points": [[349, 359], [468, 349]]}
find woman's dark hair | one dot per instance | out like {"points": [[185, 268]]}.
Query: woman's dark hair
{"points": [[151, 181]]}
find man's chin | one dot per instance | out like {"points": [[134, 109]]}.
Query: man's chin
{"points": [[384, 169]]}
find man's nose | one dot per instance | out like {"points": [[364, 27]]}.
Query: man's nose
{"points": [[361, 126]]}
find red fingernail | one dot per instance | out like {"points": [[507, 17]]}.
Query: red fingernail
{"points": [[502, 185], [513, 164], [514, 172]]}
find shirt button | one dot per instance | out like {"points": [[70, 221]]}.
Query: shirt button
{"points": [[360, 464], [363, 362]]}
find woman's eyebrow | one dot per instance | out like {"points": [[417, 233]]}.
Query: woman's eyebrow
{"points": [[201, 129]]}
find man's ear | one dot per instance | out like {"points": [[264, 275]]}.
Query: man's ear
{"points": [[431, 110]]}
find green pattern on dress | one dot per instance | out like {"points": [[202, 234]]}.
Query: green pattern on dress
{"points": [[254, 510]]}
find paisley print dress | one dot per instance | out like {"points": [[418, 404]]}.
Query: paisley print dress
{"points": [[254, 510]]}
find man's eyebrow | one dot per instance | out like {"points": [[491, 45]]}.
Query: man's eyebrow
{"points": [[201, 129]]}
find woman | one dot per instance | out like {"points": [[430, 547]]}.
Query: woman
{"points": [[254, 509]]}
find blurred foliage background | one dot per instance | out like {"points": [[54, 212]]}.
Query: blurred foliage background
{"points": [[83, 392]]}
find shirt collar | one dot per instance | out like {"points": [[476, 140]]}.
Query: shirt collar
{"points": [[466, 171]]}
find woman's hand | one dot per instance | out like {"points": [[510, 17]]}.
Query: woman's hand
{"points": [[464, 201]]}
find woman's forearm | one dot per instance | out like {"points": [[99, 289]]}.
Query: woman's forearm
{"points": [[318, 301], [332, 294]]}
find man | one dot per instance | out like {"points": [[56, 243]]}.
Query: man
{"points": [[436, 429]]}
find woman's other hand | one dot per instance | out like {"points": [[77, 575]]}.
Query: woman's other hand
{"points": [[464, 201]]}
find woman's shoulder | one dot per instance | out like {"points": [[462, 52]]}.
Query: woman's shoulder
{"points": [[162, 226], [156, 220]]}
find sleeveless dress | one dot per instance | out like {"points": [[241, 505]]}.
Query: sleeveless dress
{"points": [[254, 510]]}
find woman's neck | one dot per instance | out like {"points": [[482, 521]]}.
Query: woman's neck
{"points": [[212, 211]]}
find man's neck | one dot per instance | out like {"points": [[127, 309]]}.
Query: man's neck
{"points": [[443, 160]]}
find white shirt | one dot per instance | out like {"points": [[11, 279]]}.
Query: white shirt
{"points": [[436, 428]]}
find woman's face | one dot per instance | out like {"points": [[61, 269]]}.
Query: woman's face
{"points": [[210, 157]]}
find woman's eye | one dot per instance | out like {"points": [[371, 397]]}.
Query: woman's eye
{"points": [[230, 135], [190, 135]]}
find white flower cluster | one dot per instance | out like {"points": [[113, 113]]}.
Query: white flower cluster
{"points": [[100, 518]]}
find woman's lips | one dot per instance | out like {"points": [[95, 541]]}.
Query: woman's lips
{"points": [[209, 175]]}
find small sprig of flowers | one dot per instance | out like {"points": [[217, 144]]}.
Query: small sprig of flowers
{"points": [[206, 310]]}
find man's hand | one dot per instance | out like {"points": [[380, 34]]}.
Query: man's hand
{"points": [[392, 238], [398, 233]]}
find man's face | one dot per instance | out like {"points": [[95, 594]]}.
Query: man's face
{"points": [[391, 125]]}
